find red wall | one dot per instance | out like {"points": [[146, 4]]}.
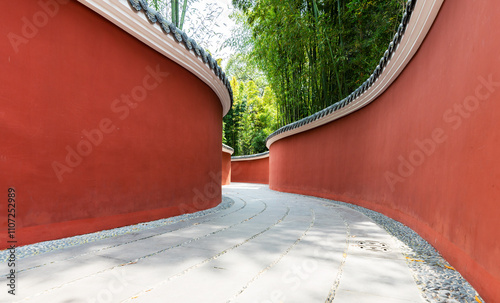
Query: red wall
{"points": [[226, 168], [426, 152], [250, 171], [155, 139]]}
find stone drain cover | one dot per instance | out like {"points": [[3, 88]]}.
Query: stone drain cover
{"points": [[373, 246]]}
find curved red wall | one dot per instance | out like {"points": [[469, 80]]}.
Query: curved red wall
{"points": [[426, 152], [132, 135], [250, 171], [226, 168]]}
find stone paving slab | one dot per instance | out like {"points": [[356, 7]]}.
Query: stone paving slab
{"points": [[267, 247], [390, 278]]}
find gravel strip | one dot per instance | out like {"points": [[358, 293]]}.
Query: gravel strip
{"points": [[436, 278], [47, 246]]}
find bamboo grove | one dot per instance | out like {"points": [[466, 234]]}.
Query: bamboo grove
{"points": [[316, 52], [293, 58]]}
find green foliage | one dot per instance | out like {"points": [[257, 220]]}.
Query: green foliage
{"points": [[315, 52], [243, 68], [177, 10], [252, 118]]}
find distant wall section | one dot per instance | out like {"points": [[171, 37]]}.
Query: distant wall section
{"points": [[251, 169], [227, 151]]}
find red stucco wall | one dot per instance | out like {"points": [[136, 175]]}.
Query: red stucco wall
{"points": [[426, 152], [226, 168], [251, 171], [98, 130]]}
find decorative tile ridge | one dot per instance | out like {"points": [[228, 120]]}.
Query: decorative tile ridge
{"points": [[227, 149], [408, 38], [251, 157], [181, 37]]}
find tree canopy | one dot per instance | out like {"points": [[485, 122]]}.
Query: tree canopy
{"points": [[252, 118], [292, 57], [315, 52]]}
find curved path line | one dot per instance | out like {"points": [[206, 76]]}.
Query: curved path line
{"points": [[278, 247], [210, 259], [335, 286], [142, 238], [313, 219], [149, 255]]}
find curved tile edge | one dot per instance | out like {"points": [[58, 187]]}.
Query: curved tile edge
{"points": [[153, 30], [251, 157]]}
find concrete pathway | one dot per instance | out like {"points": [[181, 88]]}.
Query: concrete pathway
{"points": [[267, 247]]}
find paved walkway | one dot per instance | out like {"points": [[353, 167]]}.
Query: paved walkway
{"points": [[267, 247]]}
